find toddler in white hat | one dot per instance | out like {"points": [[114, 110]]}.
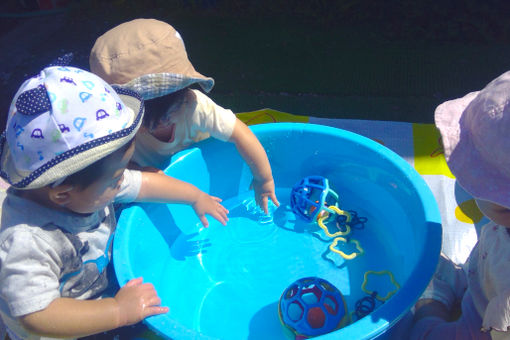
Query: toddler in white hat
{"points": [[68, 140], [148, 56], [475, 131]]}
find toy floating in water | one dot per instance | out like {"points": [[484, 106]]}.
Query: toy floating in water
{"points": [[366, 305], [312, 198], [310, 307]]}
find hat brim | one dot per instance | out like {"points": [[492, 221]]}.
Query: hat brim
{"points": [[155, 85], [477, 176], [77, 158]]}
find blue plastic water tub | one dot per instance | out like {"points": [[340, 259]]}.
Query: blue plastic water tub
{"points": [[224, 282]]}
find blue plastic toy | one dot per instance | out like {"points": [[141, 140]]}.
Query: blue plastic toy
{"points": [[310, 307], [312, 195]]}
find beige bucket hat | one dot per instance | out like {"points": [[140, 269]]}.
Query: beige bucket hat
{"points": [[147, 56]]}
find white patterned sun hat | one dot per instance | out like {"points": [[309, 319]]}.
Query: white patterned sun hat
{"points": [[147, 56], [475, 132], [60, 122]]}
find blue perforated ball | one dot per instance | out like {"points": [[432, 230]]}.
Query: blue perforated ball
{"points": [[310, 307]]}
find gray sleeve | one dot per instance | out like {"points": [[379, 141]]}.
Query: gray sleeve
{"points": [[130, 186], [29, 273]]}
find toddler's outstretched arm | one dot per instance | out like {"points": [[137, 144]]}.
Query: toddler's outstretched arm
{"points": [[158, 187], [255, 156], [66, 317]]}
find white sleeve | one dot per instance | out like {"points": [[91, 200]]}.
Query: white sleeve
{"points": [[130, 186], [29, 273], [212, 118]]}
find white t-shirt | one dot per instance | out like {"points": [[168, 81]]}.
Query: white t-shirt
{"points": [[488, 277], [196, 119]]}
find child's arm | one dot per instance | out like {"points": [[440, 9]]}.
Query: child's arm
{"points": [[66, 317], [255, 156], [429, 307], [158, 187]]}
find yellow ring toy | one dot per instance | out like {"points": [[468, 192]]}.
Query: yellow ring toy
{"points": [[341, 253], [325, 215], [382, 272]]}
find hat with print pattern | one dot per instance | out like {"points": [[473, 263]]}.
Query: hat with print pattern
{"points": [[61, 121], [475, 135], [147, 56]]}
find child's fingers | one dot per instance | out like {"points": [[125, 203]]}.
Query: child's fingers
{"points": [[263, 204], [224, 213], [204, 221], [137, 300], [134, 282], [154, 300], [217, 199], [220, 217], [153, 303], [274, 199], [223, 210], [220, 214], [154, 310]]}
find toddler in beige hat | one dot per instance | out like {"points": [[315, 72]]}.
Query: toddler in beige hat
{"points": [[149, 57]]}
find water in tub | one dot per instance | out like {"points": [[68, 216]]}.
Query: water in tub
{"points": [[231, 287]]}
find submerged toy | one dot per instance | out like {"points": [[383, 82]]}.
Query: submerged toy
{"points": [[312, 196], [310, 307], [323, 218], [359, 250], [366, 305]]}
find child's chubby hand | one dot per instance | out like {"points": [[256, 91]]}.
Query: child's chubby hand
{"points": [[264, 190], [207, 204], [136, 301]]}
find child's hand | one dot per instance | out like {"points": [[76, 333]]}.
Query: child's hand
{"points": [[263, 191], [207, 204], [136, 301], [157, 187]]}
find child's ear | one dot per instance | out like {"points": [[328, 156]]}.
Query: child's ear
{"points": [[61, 194]]}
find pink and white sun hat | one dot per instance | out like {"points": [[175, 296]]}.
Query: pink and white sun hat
{"points": [[60, 122], [475, 130]]}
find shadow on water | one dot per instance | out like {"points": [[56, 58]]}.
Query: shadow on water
{"points": [[181, 245], [266, 321]]}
